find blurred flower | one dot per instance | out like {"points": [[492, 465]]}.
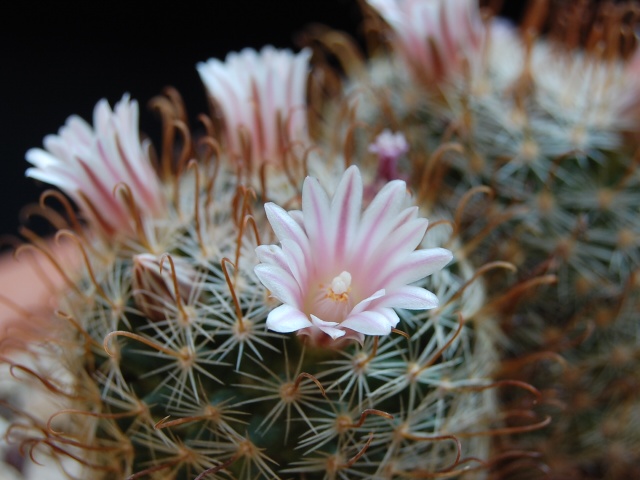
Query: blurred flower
{"points": [[262, 99], [437, 38], [340, 271], [88, 163], [389, 147]]}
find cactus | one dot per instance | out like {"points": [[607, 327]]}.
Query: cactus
{"points": [[266, 299], [171, 353], [550, 124], [168, 369]]}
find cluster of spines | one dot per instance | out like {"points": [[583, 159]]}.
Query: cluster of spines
{"points": [[563, 183]]}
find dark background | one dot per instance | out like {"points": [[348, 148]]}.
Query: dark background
{"points": [[59, 60]]}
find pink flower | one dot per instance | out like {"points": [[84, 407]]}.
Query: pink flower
{"points": [[389, 147], [340, 271], [88, 163], [256, 94], [436, 37]]}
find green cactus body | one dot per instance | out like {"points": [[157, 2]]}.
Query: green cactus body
{"points": [[169, 355]]}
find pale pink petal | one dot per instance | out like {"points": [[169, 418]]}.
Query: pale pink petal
{"points": [[286, 227], [379, 240], [318, 322], [345, 212], [375, 224], [417, 265], [330, 328], [395, 247], [285, 319], [333, 332], [369, 323], [280, 283], [296, 96], [297, 262], [315, 206], [403, 239], [436, 37], [388, 202], [298, 217], [409, 297], [272, 255], [390, 314], [80, 130], [362, 305]]}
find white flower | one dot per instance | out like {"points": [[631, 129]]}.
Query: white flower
{"points": [[257, 94], [436, 37], [340, 271], [88, 163]]}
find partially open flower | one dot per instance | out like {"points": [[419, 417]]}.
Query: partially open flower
{"points": [[389, 147], [437, 38], [262, 100], [340, 272], [88, 163]]}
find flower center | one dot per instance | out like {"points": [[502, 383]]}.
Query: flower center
{"points": [[340, 287], [333, 300]]}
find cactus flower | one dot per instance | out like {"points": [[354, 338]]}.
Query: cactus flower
{"points": [[261, 95], [340, 271], [389, 147], [436, 37], [89, 163]]}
